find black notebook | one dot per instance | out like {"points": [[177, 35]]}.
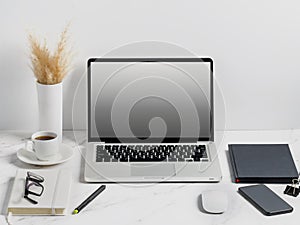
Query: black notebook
{"points": [[262, 163]]}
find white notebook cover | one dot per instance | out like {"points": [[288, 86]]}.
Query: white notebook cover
{"points": [[53, 201]]}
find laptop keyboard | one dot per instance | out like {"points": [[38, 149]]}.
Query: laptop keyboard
{"points": [[151, 153]]}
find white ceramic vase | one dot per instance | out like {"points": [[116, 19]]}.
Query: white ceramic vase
{"points": [[50, 108]]}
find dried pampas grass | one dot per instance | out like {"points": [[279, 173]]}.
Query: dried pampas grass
{"points": [[50, 68]]}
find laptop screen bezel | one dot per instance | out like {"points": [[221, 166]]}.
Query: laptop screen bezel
{"points": [[166, 139]]}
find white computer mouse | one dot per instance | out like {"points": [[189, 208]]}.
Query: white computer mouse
{"points": [[214, 201]]}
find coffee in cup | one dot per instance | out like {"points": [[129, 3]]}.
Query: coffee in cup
{"points": [[44, 138], [45, 145]]}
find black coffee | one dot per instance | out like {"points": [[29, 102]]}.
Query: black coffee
{"points": [[44, 138]]}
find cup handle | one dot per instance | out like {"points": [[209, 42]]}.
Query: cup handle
{"points": [[30, 149]]}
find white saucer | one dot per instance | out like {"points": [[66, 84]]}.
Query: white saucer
{"points": [[66, 152]]}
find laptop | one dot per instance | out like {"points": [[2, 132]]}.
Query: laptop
{"points": [[150, 120]]}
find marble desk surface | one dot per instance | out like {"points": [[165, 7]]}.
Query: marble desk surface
{"points": [[148, 203]]}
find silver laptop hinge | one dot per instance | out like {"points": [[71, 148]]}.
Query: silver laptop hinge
{"points": [[204, 142]]}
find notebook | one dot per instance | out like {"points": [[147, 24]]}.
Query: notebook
{"points": [[53, 201], [262, 163]]}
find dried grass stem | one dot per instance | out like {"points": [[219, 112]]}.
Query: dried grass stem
{"points": [[49, 68]]}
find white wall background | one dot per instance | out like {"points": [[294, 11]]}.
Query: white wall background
{"points": [[255, 44]]}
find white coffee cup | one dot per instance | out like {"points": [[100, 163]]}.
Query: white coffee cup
{"points": [[45, 145]]}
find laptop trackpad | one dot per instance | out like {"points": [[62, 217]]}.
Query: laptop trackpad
{"points": [[159, 170]]}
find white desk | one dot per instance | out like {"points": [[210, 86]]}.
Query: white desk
{"points": [[149, 203]]}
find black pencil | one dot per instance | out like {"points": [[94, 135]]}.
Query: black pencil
{"points": [[89, 199]]}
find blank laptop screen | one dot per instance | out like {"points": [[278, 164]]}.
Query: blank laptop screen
{"points": [[150, 100]]}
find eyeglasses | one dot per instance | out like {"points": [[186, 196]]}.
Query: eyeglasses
{"points": [[33, 186]]}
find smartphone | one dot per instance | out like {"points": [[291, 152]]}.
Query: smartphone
{"points": [[265, 200]]}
